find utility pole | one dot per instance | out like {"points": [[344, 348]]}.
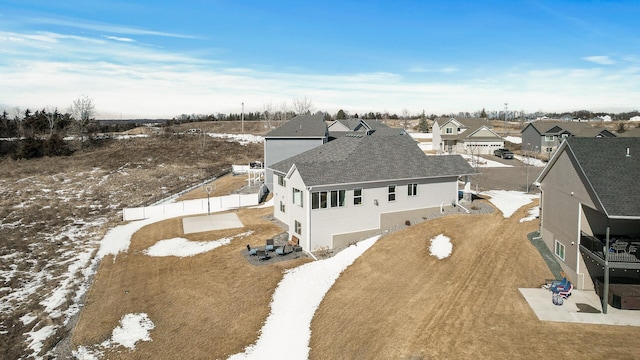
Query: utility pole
{"points": [[242, 118], [505, 118]]}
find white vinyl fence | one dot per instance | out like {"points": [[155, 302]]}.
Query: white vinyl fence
{"points": [[191, 207]]}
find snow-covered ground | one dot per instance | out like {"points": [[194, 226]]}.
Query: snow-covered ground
{"points": [[420, 135], [45, 276], [241, 138], [440, 247], [509, 201], [482, 162], [514, 139], [531, 161]]}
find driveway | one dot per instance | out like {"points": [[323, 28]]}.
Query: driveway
{"points": [[507, 178]]}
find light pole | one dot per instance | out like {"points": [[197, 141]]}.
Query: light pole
{"points": [[505, 118]]}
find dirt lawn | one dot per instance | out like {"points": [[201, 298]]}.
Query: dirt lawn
{"points": [[396, 301]]}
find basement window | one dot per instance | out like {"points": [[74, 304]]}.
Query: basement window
{"points": [[560, 250]]}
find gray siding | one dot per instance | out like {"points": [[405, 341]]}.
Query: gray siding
{"points": [[277, 149], [563, 197]]}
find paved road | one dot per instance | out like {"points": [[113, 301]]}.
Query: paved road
{"points": [[507, 178]]}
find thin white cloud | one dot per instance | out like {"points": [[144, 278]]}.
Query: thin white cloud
{"points": [[108, 28], [423, 69], [602, 60], [117, 38], [132, 80]]}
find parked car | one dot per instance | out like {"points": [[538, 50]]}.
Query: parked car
{"points": [[503, 153]]}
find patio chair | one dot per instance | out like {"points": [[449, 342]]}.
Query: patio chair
{"points": [[283, 250], [557, 286], [252, 252], [269, 246], [263, 255]]}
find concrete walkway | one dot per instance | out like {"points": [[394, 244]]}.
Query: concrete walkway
{"points": [[581, 307]]}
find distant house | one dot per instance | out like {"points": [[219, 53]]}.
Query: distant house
{"points": [[465, 136], [590, 188], [298, 135], [358, 184], [545, 136], [339, 128]]}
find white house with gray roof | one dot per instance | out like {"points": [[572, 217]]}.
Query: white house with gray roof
{"points": [[589, 189], [465, 136], [357, 185], [297, 135]]}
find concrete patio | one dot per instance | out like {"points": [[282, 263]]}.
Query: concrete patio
{"points": [[581, 307]]}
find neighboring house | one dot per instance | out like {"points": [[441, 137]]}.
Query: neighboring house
{"points": [[545, 136], [343, 127], [356, 185], [297, 135], [590, 188], [465, 136]]}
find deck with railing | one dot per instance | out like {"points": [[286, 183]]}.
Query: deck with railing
{"points": [[621, 250]]}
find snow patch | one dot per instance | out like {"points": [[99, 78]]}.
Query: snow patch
{"points": [[534, 213], [182, 247], [509, 201], [513, 139], [441, 247], [132, 328], [294, 303]]}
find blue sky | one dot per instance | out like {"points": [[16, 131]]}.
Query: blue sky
{"points": [[164, 58]]}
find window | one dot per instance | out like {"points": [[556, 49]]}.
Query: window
{"points": [[548, 138], [337, 198], [392, 193], [281, 206], [549, 149], [560, 250], [357, 196], [282, 181], [448, 130], [412, 189], [319, 200], [297, 197], [297, 227]]}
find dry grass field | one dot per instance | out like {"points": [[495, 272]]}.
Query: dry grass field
{"points": [[54, 211], [394, 302]]}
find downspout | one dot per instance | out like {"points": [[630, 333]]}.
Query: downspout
{"points": [[605, 295]]}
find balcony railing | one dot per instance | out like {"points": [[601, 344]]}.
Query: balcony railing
{"points": [[618, 250]]}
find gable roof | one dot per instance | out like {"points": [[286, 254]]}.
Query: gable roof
{"points": [[579, 129], [301, 126], [608, 172], [470, 126], [360, 159]]}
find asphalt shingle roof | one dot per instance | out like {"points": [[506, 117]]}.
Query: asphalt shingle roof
{"points": [[301, 126], [580, 129], [471, 124], [613, 175], [361, 158]]}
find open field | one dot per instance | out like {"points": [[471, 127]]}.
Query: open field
{"points": [[54, 212]]}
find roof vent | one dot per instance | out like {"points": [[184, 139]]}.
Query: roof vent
{"points": [[628, 154]]}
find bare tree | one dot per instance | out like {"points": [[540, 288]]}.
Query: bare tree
{"points": [[82, 110], [302, 106], [51, 115], [268, 114], [284, 110], [405, 116]]}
